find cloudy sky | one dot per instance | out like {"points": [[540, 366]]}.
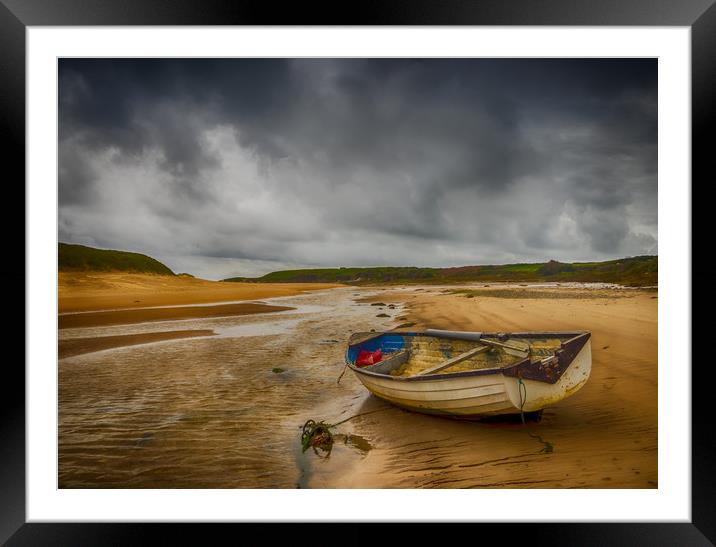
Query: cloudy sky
{"points": [[222, 167]]}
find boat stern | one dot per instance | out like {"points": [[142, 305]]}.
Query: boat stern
{"points": [[535, 390]]}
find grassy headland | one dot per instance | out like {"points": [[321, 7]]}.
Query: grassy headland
{"points": [[635, 271], [96, 279], [79, 258]]}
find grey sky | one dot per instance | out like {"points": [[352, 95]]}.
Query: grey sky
{"points": [[239, 167]]}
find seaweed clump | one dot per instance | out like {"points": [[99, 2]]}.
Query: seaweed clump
{"points": [[317, 435]]}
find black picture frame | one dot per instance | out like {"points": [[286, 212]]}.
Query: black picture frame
{"points": [[16, 15]]}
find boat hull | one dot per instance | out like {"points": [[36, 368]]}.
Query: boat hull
{"points": [[475, 396]]}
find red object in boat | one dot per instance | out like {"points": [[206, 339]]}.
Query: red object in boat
{"points": [[366, 358]]}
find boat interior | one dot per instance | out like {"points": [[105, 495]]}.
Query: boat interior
{"points": [[415, 354]]}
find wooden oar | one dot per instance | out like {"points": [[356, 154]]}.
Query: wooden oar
{"points": [[454, 360], [477, 337], [512, 349]]}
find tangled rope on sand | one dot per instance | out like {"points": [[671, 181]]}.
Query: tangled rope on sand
{"points": [[318, 435]]}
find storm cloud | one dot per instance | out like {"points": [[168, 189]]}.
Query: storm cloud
{"points": [[227, 167]]}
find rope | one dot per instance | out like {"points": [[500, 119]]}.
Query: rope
{"points": [[520, 386], [547, 447], [342, 373], [362, 414], [317, 435]]}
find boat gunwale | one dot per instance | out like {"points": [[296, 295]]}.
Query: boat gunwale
{"points": [[573, 335]]}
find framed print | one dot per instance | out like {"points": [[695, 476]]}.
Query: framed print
{"points": [[400, 268]]}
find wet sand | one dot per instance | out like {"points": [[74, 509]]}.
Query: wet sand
{"points": [[208, 412], [225, 410], [143, 315], [80, 291], [79, 346]]}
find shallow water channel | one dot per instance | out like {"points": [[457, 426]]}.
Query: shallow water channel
{"points": [[218, 411]]}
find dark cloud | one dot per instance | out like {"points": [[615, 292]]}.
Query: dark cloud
{"points": [[360, 161]]}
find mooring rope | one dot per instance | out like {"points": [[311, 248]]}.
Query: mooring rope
{"points": [[342, 373], [547, 447]]}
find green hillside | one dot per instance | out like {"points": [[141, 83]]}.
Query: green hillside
{"points": [[633, 271], [81, 258]]}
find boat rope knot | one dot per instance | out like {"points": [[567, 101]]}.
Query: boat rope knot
{"points": [[547, 447]]}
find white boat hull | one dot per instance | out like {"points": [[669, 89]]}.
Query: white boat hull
{"points": [[480, 395]]}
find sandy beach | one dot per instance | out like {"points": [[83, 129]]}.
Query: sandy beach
{"points": [[80, 291], [217, 401], [605, 436]]}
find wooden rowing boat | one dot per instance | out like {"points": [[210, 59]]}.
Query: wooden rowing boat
{"points": [[472, 374]]}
